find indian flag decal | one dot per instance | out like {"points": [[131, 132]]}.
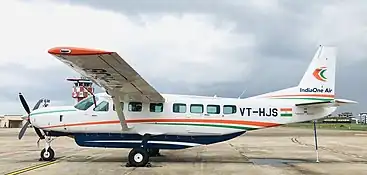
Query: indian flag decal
{"points": [[286, 112]]}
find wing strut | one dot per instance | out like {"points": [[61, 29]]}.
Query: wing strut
{"points": [[116, 100]]}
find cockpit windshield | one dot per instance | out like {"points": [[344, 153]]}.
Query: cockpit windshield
{"points": [[85, 104]]}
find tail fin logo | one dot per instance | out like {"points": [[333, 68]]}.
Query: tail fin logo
{"points": [[319, 73]]}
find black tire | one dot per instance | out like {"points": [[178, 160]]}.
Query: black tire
{"points": [[138, 157], [47, 155], [153, 152]]}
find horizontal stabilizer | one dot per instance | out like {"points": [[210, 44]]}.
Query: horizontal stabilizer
{"points": [[331, 103]]}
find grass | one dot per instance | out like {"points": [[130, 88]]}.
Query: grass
{"points": [[337, 126]]}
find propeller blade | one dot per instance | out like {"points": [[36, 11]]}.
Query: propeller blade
{"points": [[24, 103], [37, 104], [22, 131], [38, 131]]}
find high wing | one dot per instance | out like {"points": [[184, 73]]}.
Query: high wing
{"points": [[110, 71]]}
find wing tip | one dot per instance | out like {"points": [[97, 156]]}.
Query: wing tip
{"points": [[75, 51]]}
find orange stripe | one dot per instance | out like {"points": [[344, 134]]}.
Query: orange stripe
{"points": [[307, 95], [239, 122], [76, 51], [285, 109]]}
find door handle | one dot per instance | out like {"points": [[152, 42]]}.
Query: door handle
{"points": [[94, 115]]}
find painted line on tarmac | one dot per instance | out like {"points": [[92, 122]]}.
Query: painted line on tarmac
{"points": [[30, 168]]}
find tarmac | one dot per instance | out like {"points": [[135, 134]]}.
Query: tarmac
{"points": [[268, 151]]}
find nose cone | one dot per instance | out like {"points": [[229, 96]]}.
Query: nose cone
{"points": [[44, 117], [32, 117]]}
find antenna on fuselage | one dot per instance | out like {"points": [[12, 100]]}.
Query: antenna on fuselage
{"points": [[241, 94]]}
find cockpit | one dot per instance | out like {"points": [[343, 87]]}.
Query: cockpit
{"points": [[85, 103], [102, 104]]}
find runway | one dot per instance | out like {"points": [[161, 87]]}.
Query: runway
{"points": [[269, 151]]}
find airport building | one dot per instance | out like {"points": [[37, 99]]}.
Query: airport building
{"points": [[11, 121]]}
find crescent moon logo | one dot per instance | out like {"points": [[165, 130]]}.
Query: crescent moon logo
{"points": [[319, 73]]}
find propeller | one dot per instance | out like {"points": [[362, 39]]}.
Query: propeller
{"points": [[25, 126]]}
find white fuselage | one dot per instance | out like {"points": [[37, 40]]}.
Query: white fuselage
{"points": [[249, 114]]}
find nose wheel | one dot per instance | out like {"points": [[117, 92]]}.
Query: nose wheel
{"points": [[47, 154]]}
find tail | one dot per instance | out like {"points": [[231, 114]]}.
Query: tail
{"points": [[318, 82], [317, 86], [320, 76]]}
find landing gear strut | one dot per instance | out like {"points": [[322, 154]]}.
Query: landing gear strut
{"points": [[47, 153]]}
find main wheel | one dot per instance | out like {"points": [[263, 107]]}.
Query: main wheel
{"points": [[153, 152], [47, 155], [138, 157]]}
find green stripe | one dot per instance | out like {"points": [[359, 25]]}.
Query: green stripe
{"points": [[48, 112], [319, 99], [286, 115], [210, 125]]}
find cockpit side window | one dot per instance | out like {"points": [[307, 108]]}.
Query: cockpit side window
{"points": [[103, 106], [85, 104]]}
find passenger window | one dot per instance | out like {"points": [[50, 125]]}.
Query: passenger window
{"points": [[135, 106], [179, 108], [213, 109], [156, 107], [196, 108], [122, 106], [103, 106], [229, 109]]}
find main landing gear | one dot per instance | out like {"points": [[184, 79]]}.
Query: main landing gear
{"points": [[47, 153], [139, 157]]}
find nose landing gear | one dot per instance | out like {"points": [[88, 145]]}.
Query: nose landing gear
{"points": [[47, 153]]}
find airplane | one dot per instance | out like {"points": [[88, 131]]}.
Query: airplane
{"points": [[133, 114]]}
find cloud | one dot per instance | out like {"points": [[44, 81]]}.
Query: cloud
{"points": [[188, 49]]}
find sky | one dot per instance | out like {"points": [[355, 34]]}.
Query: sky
{"points": [[206, 47]]}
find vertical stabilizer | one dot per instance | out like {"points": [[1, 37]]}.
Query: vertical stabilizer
{"points": [[320, 75], [318, 82]]}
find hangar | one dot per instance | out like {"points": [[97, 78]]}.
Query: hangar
{"points": [[11, 121]]}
